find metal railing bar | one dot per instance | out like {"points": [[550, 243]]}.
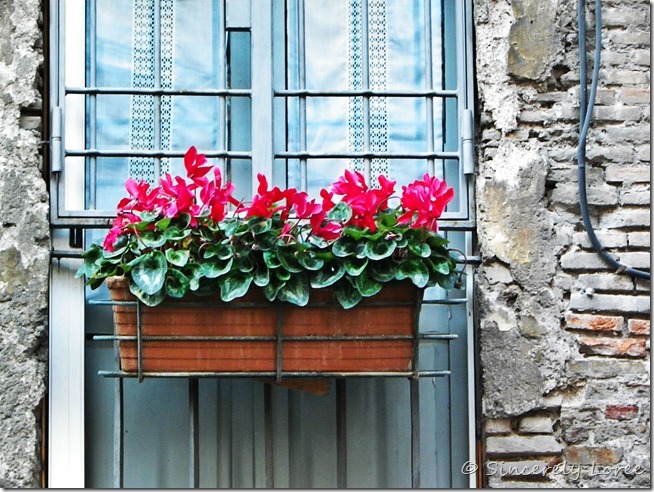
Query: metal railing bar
{"points": [[366, 93], [194, 433], [272, 338], [159, 91], [368, 155], [153, 153], [285, 374], [341, 433]]}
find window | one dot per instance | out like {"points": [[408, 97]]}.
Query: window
{"points": [[298, 90]]}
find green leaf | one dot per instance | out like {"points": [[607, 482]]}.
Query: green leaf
{"points": [[214, 269], [182, 221], [149, 274], [354, 266], [282, 274], [366, 285], [177, 257], [91, 256], [420, 249], [206, 287], [442, 267], [435, 240], [295, 290], [318, 242], [228, 227], [340, 213], [177, 284], [147, 216], [354, 232], [348, 296], [415, 270], [383, 272], [175, 234], [271, 290], [152, 239], [327, 275], [271, 260], [244, 264], [163, 224], [288, 259], [259, 225], [380, 249], [344, 246], [310, 261], [148, 300], [234, 285], [261, 276], [220, 251]]}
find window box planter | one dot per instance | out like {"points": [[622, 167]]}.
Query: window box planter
{"points": [[252, 334]]}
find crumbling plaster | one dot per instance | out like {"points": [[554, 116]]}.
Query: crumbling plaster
{"points": [[24, 246], [523, 349]]}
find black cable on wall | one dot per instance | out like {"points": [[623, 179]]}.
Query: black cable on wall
{"points": [[586, 105]]}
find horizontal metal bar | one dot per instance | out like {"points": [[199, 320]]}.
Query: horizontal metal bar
{"points": [[285, 374], [154, 153], [368, 155], [160, 91], [365, 93], [270, 338], [439, 336]]}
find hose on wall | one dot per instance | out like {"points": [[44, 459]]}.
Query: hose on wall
{"points": [[586, 104]]}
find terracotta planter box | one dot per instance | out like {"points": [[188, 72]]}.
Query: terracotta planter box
{"points": [[256, 317]]}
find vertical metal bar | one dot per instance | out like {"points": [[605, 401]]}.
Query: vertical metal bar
{"points": [[302, 74], [429, 81], [365, 84], [194, 433], [470, 338], [416, 334], [341, 434], [415, 432], [119, 444], [222, 75], [268, 426], [92, 101], [279, 350], [139, 341], [157, 84]]}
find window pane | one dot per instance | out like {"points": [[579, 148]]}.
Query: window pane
{"points": [[114, 54]]}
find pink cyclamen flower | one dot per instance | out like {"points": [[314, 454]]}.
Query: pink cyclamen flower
{"points": [[351, 185], [326, 230], [424, 202], [196, 164]]}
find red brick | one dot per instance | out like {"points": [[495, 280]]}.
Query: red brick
{"points": [[629, 347], [574, 321], [621, 412], [594, 455], [639, 326]]}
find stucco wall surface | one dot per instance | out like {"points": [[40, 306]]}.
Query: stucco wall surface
{"points": [[24, 245], [564, 340]]}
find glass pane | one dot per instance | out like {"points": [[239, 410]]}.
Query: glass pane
{"points": [[113, 122], [196, 62], [404, 121], [193, 122], [114, 35]]}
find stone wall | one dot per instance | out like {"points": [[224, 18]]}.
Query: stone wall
{"points": [[564, 339], [24, 245]]}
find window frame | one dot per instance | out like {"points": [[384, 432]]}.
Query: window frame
{"points": [[66, 385]]}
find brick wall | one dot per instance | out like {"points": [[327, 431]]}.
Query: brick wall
{"points": [[564, 339]]}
